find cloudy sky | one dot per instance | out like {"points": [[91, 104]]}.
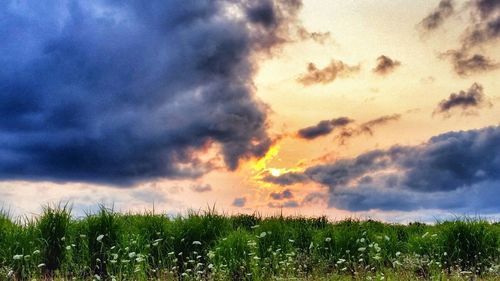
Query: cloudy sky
{"points": [[373, 109]]}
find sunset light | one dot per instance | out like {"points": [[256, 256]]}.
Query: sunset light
{"points": [[379, 109]]}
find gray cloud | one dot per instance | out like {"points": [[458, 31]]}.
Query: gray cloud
{"points": [[328, 74], [315, 198], [385, 65], [285, 194], [471, 99], [287, 204], [201, 188], [150, 196], [119, 93], [485, 26], [481, 199], [436, 18], [465, 65], [320, 37], [240, 202], [323, 128], [483, 29], [366, 128], [286, 179], [443, 173]]}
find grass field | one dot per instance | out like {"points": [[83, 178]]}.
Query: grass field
{"points": [[210, 246]]}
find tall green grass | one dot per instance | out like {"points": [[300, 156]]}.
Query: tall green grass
{"points": [[52, 229], [106, 245]]}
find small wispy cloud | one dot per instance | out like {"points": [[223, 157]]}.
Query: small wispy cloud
{"points": [[200, 188], [366, 128], [323, 128], [385, 65], [240, 202], [285, 194], [437, 17], [336, 69], [466, 101]]}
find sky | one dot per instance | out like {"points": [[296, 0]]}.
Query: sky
{"points": [[368, 109]]}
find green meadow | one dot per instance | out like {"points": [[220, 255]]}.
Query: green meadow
{"points": [[210, 246]]}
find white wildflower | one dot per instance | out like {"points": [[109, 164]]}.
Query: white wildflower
{"points": [[99, 238]]}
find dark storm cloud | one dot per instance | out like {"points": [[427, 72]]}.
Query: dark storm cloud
{"points": [[468, 100], [120, 92], [344, 171], [366, 128], [285, 194], [385, 65], [481, 199], [443, 173], [240, 202], [328, 74], [436, 18], [465, 65], [323, 128]]}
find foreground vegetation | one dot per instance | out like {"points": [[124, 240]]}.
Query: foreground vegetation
{"points": [[209, 246]]}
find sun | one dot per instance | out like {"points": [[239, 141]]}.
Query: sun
{"points": [[275, 172]]}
